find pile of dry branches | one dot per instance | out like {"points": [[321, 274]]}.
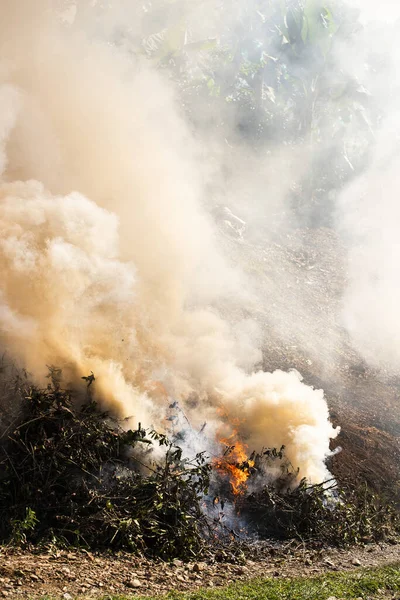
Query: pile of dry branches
{"points": [[72, 475]]}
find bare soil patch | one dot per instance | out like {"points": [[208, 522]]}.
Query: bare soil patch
{"points": [[26, 574]]}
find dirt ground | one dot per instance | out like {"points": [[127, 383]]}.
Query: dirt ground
{"points": [[64, 574]]}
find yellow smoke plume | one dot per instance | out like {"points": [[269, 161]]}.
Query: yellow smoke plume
{"points": [[109, 262]]}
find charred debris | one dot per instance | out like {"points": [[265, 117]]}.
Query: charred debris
{"points": [[72, 475]]}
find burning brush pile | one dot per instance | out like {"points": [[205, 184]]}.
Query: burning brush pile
{"points": [[72, 475]]}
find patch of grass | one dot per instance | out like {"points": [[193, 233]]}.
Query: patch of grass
{"points": [[363, 583]]}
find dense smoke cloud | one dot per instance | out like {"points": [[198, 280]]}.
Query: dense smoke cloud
{"points": [[370, 10], [367, 214], [109, 261]]}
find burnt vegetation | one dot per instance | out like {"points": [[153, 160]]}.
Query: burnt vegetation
{"points": [[72, 475]]}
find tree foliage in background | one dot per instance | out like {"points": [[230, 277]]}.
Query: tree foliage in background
{"points": [[267, 74], [271, 70]]}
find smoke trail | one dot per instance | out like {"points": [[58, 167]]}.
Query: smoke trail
{"points": [[368, 210], [109, 262]]}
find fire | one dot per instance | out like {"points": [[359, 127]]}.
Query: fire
{"points": [[235, 462]]}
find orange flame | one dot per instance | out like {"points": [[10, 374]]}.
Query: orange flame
{"points": [[234, 463]]}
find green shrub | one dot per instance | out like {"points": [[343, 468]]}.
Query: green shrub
{"points": [[84, 480]]}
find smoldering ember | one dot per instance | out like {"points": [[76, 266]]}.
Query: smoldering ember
{"points": [[199, 253]]}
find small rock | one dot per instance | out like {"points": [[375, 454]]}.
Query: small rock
{"points": [[67, 596], [180, 578], [198, 567], [4, 593], [34, 577], [328, 562], [356, 562], [177, 563], [134, 583]]}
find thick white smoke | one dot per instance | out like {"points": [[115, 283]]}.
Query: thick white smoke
{"points": [[371, 300], [368, 210], [371, 10], [109, 262]]}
